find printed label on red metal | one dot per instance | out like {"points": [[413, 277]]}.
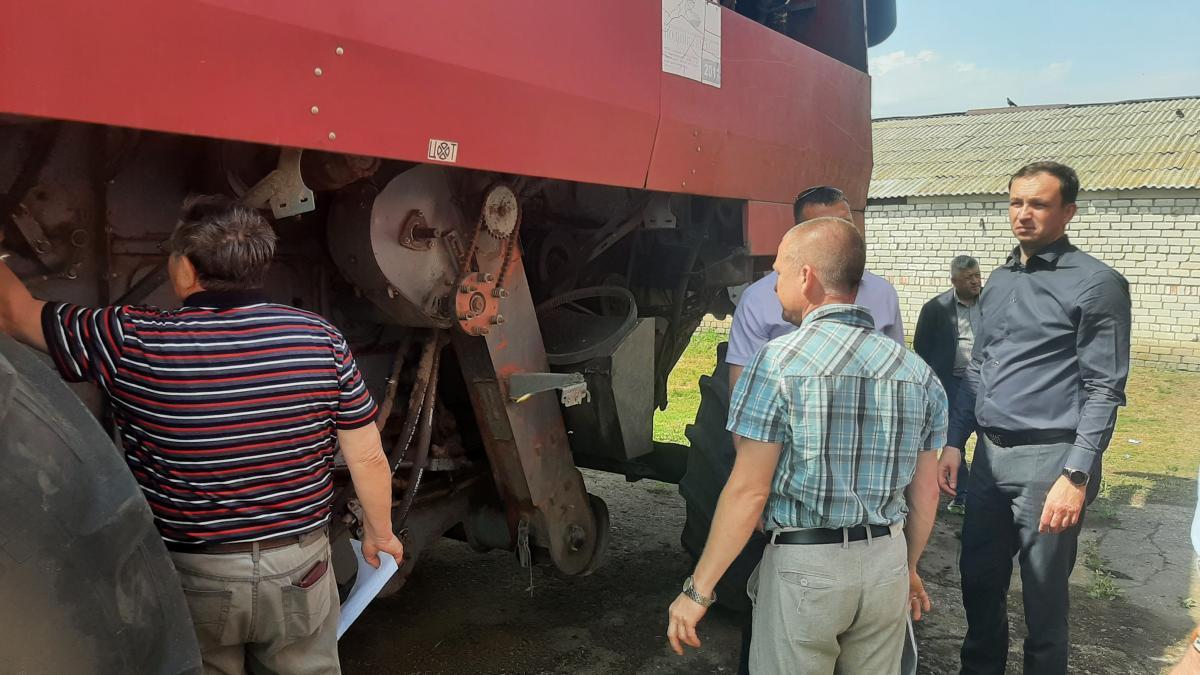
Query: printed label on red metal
{"points": [[691, 40], [442, 151]]}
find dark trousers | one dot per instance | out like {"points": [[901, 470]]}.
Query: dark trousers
{"points": [[1004, 507], [951, 385]]}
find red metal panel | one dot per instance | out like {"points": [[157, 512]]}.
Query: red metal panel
{"points": [[564, 89], [765, 224], [569, 89], [785, 118]]}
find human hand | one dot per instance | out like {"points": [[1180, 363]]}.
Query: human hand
{"points": [[1064, 504], [947, 474], [388, 543], [683, 616], [918, 599]]}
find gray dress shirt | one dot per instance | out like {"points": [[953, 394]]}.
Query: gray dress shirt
{"points": [[967, 320], [1051, 353]]}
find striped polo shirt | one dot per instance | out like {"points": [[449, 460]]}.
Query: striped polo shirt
{"points": [[227, 407], [852, 409]]}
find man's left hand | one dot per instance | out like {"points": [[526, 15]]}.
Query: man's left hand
{"points": [[684, 614], [1064, 505]]}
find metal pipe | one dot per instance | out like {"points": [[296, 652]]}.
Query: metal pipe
{"points": [[416, 401], [393, 382], [423, 442]]}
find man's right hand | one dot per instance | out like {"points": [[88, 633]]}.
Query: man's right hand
{"points": [[948, 470], [389, 544]]}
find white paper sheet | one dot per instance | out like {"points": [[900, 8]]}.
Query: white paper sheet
{"points": [[367, 584], [691, 42]]}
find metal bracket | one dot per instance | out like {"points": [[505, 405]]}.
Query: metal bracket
{"points": [[283, 189], [35, 236], [573, 386], [415, 233]]}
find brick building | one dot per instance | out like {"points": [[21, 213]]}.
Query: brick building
{"points": [[939, 189]]}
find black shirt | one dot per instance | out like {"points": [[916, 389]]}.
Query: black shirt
{"points": [[1052, 351]]}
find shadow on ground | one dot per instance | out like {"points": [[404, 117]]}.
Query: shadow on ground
{"points": [[463, 612]]}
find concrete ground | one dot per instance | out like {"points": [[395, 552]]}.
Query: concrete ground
{"points": [[464, 612]]}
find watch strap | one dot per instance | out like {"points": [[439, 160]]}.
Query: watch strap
{"points": [[689, 589]]}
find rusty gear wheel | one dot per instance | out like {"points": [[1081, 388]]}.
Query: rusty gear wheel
{"points": [[501, 211]]}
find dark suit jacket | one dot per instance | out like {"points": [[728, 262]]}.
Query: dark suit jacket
{"points": [[936, 337]]}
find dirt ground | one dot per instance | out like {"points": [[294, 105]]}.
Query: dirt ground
{"points": [[463, 612]]}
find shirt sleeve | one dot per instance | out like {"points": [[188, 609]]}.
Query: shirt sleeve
{"points": [[962, 409], [1102, 348], [356, 407], [747, 334], [758, 407], [935, 436], [86, 344], [895, 330]]}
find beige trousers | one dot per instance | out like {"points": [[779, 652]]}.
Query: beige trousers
{"points": [[830, 608], [250, 617]]}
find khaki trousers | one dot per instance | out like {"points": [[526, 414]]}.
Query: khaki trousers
{"points": [[250, 617], [830, 608]]}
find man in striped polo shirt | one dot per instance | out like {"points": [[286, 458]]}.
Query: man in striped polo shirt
{"points": [[231, 409], [836, 428]]}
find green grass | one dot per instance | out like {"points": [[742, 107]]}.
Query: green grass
{"points": [[1163, 415], [683, 390]]}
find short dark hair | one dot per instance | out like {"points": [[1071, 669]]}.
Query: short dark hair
{"points": [[1068, 180], [823, 195], [230, 245]]}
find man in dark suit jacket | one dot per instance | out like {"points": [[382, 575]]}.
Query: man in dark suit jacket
{"points": [[945, 335]]}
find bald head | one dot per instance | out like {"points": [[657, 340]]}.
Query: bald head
{"points": [[832, 247]]}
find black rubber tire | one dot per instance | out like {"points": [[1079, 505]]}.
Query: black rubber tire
{"points": [[86, 585], [710, 460]]}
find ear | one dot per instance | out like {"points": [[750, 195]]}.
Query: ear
{"points": [[187, 272], [1070, 210], [184, 277], [808, 279]]}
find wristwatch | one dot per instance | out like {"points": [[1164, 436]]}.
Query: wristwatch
{"points": [[690, 590], [1078, 478]]}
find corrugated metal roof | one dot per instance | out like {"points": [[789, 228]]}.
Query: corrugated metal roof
{"points": [[1113, 146]]}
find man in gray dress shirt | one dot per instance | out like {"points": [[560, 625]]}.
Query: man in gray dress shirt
{"points": [[1046, 377], [945, 338]]}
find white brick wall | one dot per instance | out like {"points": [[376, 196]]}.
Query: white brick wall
{"points": [[1152, 237]]}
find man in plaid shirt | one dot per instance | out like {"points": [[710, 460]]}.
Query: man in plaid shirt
{"points": [[836, 428]]}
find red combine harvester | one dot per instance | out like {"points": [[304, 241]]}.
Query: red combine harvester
{"points": [[518, 212]]}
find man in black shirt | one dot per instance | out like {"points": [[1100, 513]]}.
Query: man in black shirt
{"points": [[1046, 376]]}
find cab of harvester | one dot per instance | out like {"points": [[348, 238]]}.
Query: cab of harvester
{"points": [[517, 213]]}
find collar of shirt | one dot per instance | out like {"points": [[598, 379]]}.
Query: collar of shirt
{"points": [[854, 315], [225, 299], [1048, 254]]}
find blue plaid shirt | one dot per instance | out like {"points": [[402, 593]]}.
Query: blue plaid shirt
{"points": [[852, 409]]}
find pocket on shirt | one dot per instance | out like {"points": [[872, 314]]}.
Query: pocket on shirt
{"points": [[306, 608]]}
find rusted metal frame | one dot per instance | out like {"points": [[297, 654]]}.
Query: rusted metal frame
{"points": [[526, 442]]}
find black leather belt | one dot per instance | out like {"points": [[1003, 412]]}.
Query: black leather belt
{"points": [[207, 548], [828, 536], [1012, 439]]}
